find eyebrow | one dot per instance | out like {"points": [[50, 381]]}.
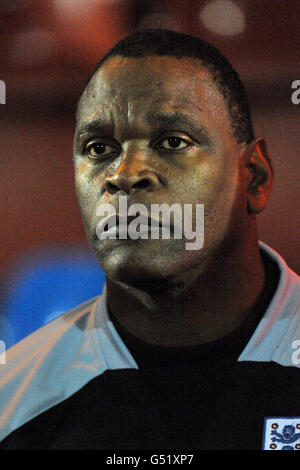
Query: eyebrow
{"points": [[168, 119], [94, 126], [178, 118]]}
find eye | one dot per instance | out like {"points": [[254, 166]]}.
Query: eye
{"points": [[99, 149], [175, 143]]}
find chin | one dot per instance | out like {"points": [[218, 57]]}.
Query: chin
{"points": [[136, 268]]}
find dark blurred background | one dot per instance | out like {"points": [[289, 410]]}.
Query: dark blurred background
{"points": [[48, 49]]}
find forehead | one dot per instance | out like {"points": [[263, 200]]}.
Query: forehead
{"points": [[135, 86]]}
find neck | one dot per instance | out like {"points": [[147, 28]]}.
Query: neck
{"points": [[196, 307]]}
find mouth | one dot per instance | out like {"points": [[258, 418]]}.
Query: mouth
{"points": [[116, 225]]}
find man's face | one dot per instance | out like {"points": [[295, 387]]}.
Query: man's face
{"points": [[157, 130]]}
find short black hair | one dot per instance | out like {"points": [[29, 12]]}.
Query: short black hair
{"points": [[162, 42]]}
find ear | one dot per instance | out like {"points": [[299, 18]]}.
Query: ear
{"points": [[259, 176]]}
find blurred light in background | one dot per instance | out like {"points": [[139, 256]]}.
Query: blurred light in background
{"points": [[75, 7], [223, 17], [88, 27], [45, 284]]}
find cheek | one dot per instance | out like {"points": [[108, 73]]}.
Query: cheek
{"points": [[205, 183], [87, 181], [87, 192], [217, 189]]}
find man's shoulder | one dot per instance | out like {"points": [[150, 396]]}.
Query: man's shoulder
{"points": [[277, 336], [48, 365], [56, 361], [73, 322]]}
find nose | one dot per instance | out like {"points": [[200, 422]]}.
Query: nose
{"points": [[128, 182]]}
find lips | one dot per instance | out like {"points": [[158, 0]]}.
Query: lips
{"points": [[116, 221], [116, 225]]}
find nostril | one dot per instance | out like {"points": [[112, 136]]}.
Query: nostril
{"points": [[128, 183], [144, 183], [112, 188]]}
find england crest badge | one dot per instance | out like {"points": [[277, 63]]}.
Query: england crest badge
{"points": [[281, 433]]}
